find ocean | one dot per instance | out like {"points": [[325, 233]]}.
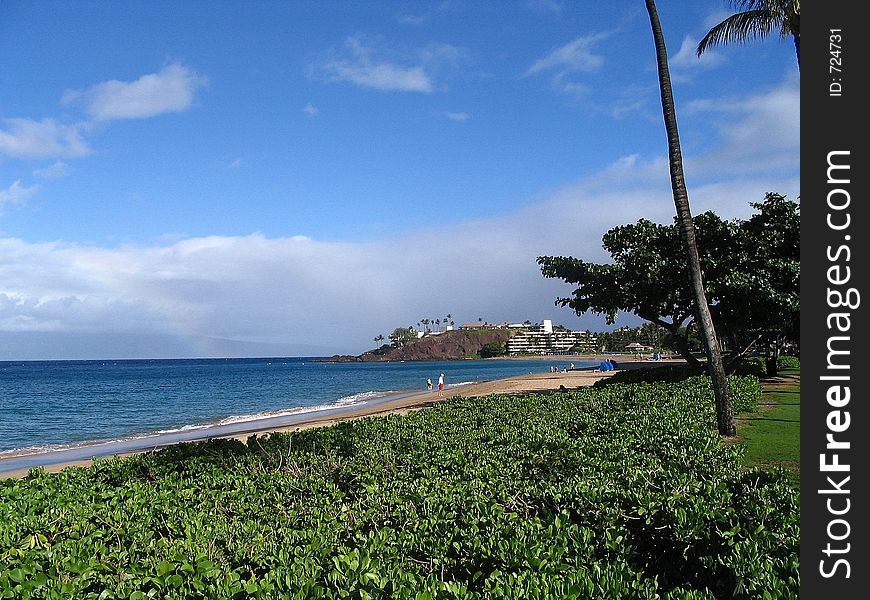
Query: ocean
{"points": [[50, 406]]}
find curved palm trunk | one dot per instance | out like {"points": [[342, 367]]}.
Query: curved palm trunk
{"points": [[797, 48], [724, 414]]}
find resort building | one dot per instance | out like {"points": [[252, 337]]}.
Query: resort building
{"points": [[544, 339]]}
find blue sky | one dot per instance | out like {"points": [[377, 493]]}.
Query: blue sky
{"points": [[321, 172]]}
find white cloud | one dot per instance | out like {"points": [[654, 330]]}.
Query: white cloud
{"points": [[758, 134], [714, 18], [362, 65], [172, 89], [17, 193], [53, 171], [457, 116], [311, 110], [687, 59], [577, 55], [27, 138], [566, 62]]}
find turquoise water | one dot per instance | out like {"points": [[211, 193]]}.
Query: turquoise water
{"points": [[49, 405]]}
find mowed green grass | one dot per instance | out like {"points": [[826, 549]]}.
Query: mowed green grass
{"points": [[771, 434]]}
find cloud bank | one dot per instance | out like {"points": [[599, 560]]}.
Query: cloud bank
{"points": [[339, 295]]}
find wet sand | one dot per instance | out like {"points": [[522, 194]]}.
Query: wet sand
{"points": [[400, 404]]}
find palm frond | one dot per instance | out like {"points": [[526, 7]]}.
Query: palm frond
{"points": [[740, 27]]}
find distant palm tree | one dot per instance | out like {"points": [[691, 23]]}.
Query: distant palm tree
{"points": [[757, 19], [724, 413], [379, 338]]}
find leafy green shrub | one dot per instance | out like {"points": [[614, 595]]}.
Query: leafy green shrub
{"points": [[751, 365], [754, 365], [621, 492], [492, 349], [788, 362]]}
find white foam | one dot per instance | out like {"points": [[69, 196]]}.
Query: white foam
{"points": [[49, 448], [342, 402], [183, 428], [361, 397]]}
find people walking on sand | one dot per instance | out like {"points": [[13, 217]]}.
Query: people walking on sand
{"points": [[441, 384], [429, 384]]}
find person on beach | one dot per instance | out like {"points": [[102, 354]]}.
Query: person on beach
{"points": [[429, 384], [441, 384]]}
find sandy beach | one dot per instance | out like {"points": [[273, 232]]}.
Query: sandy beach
{"points": [[524, 384]]}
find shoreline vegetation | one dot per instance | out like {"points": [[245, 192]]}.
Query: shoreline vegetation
{"points": [[400, 403], [617, 489]]}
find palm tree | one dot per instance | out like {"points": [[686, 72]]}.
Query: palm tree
{"points": [[724, 414], [379, 338], [757, 19]]}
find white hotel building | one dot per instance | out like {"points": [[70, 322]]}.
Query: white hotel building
{"points": [[542, 339]]}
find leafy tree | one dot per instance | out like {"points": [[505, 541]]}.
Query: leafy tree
{"points": [[752, 271], [724, 414], [379, 338], [757, 19], [760, 299], [402, 336]]}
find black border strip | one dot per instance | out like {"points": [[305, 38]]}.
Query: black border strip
{"points": [[834, 233]]}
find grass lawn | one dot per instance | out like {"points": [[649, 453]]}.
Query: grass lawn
{"points": [[771, 434]]}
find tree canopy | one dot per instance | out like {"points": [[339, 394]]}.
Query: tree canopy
{"points": [[402, 336], [751, 269]]}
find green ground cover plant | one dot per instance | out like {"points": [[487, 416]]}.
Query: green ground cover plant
{"points": [[621, 492]]}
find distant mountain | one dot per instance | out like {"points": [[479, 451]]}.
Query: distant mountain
{"points": [[43, 345]]}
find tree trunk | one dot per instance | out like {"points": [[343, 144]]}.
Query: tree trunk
{"points": [[683, 343], [797, 48], [772, 361], [724, 414]]}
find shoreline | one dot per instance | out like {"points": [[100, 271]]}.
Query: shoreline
{"points": [[19, 465]]}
